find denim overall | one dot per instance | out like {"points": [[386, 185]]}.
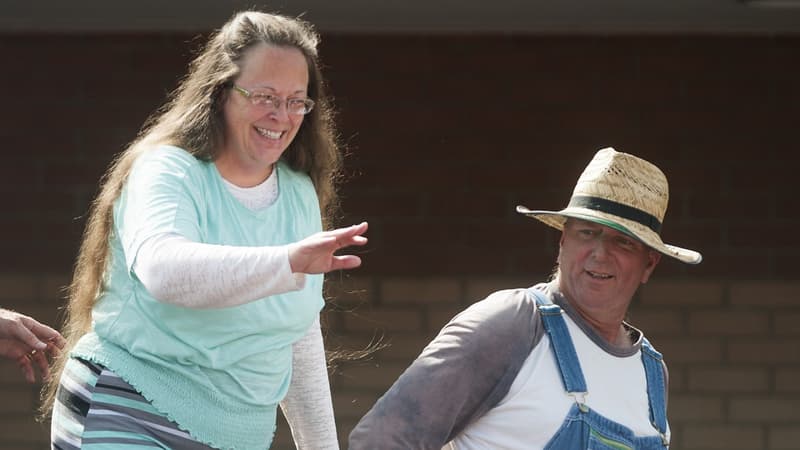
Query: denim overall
{"points": [[583, 428]]}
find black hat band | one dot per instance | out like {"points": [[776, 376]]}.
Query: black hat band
{"points": [[617, 209]]}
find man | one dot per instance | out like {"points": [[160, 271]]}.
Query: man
{"points": [[553, 366], [28, 342]]}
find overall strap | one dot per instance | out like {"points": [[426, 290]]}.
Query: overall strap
{"points": [[563, 348], [656, 388]]}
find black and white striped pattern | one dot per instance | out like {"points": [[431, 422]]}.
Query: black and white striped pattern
{"points": [[97, 410]]}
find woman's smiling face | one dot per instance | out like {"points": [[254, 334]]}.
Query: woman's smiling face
{"points": [[257, 135]]}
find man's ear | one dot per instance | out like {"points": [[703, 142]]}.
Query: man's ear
{"points": [[560, 246], [653, 257]]}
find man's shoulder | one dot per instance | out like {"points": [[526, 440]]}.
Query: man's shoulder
{"points": [[506, 314], [506, 302]]}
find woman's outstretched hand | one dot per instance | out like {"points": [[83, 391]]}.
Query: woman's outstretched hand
{"points": [[315, 254]]}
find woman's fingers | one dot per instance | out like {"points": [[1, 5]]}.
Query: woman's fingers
{"points": [[351, 235], [316, 254], [345, 262], [348, 232]]}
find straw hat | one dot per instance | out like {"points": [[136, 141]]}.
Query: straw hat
{"points": [[623, 192]]}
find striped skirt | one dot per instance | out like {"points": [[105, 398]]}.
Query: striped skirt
{"points": [[97, 410]]}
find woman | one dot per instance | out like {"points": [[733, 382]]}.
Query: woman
{"points": [[193, 311]]}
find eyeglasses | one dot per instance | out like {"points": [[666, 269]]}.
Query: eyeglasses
{"points": [[297, 106]]}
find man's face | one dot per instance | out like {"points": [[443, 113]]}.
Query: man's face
{"points": [[601, 268]]}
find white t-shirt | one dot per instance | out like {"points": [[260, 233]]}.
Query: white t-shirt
{"points": [[536, 404]]}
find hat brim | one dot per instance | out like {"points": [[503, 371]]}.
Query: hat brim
{"points": [[650, 238]]}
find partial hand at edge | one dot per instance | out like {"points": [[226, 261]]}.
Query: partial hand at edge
{"points": [[28, 342], [315, 254]]}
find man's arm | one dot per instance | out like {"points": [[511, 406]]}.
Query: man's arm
{"points": [[465, 371]]}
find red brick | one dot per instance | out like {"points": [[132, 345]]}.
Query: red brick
{"points": [[18, 288], [779, 175], [764, 351], [363, 205], [53, 288], [765, 293], [50, 315], [536, 265], [384, 320], [353, 404], [21, 400], [282, 440], [771, 235], [47, 256], [21, 172], [419, 260], [688, 350], [378, 376], [23, 432], [786, 379], [416, 290], [402, 348], [764, 409], [702, 204], [479, 288], [757, 176], [73, 173], [729, 379], [701, 236], [716, 91], [677, 378], [681, 293], [719, 263], [654, 322], [783, 437], [723, 437], [440, 316], [787, 205], [11, 378], [718, 323], [332, 320], [786, 322], [345, 348], [345, 290], [694, 408], [702, 179], [682, 56], [784, 264], [466, 204]]}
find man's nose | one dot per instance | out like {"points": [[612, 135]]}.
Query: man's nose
{"points": [[600, 249]]}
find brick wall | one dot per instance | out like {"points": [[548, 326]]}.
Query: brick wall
{"points": [[446, 135]]}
